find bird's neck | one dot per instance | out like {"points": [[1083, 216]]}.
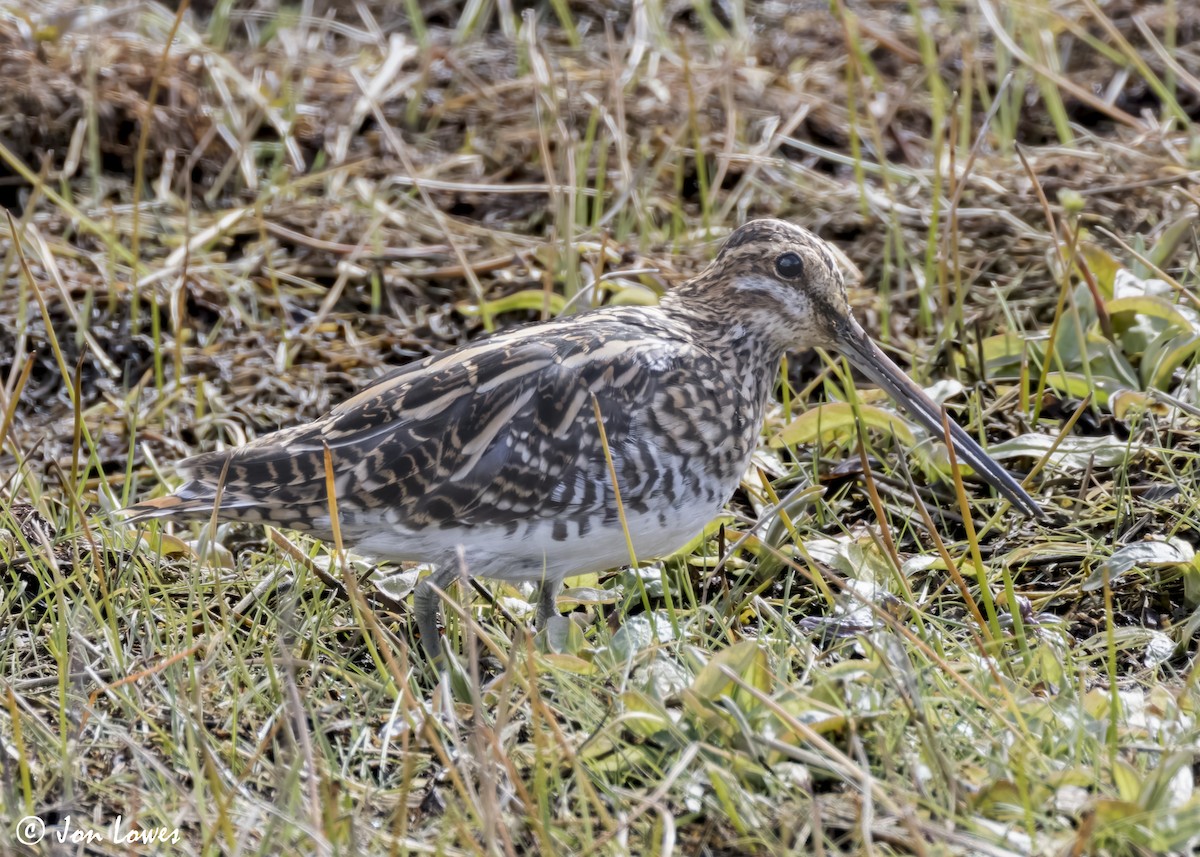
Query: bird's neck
{"points": [[723, 329], [742, 373]]}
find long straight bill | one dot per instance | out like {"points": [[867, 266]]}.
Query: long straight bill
{"points": [[865, 355]]}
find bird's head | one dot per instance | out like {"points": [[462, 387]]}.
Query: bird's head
{"points": [[778, 280], [782, 285]]}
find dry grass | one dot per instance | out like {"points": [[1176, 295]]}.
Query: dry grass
{"points": [[317, 195]]}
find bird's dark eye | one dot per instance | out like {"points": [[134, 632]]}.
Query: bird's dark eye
{"points": [[789, 266]]}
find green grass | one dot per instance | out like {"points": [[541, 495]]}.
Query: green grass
{"points": [[842, 664]]}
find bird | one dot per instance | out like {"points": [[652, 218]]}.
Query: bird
{"points": [[530, 454]]}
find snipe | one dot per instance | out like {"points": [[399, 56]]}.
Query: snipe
{"points": [[493, 448]]}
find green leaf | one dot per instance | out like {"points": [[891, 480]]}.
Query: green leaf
{"points": [[1127, 780], [529, 300], [1122, 403], [1073, 453], [1079, 386], [1141, 323], [1151, 306], [643, 715], [1103, 266], [1068, 349], [563, 640], [746, 659], [857, 559], [1152, 553], [1000, 799], [1003, 347], [708, 700], [1191, 583], [1121, 814], [1169, 241], [630, 295], [1168, 357], [838, 419], [1003, 354], [637, 634], [1105, 360], [709, 532]]}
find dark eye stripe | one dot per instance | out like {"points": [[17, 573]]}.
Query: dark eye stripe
{"points": [[789, 266]]}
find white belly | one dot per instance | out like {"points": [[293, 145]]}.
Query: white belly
{"points": [[532, 552]]}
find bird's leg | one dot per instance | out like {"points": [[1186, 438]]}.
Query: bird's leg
{"points": [[428, 603], [548, 601], [552, 626]]}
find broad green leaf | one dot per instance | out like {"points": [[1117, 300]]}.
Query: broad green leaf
{"points": [[837, 418], [800, 704], [1110, 813], [1149, 305], [746, 659], [531, 300], [1005, 353], [709, 532], [999, 799], [1122, 403], [1169, 357], [1102, 389], [563, 640], [569, 663], [705, 702], [1127, 780], [1137, 269], [1047, 660], [856, 558], [1073, 453], [1068, 349], [1170, 239], [637, 634], [1003, 347], [1191, 585], [627, 295], [643, 715], [1152, 553], [662, 678], [611, 755], [586, 595], [582, 581], [165, 544], [1102, 265], [1139, 323], [1105, 360]]}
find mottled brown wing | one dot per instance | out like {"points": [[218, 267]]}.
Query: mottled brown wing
{"points": [[494, 433]]}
